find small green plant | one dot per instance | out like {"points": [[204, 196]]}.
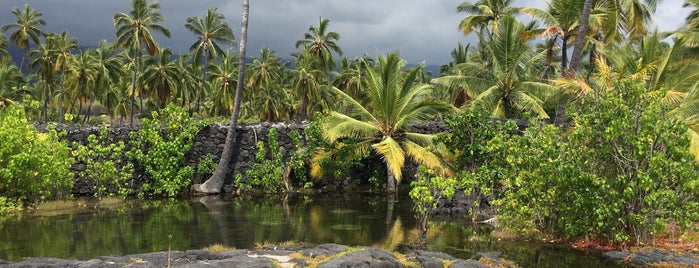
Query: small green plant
{"points": [[206, 166], [105, 164], [267, 173], [160, 146], [427, 189]]}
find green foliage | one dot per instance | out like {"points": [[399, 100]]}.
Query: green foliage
{"points": [[104, 164], [345, 155], [206, 166], [297, 159], [429, 187], [267, 173], [33, 166], [620, 173], [160, 146]]}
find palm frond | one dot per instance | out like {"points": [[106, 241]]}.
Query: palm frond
{"points": [[392, 154]]}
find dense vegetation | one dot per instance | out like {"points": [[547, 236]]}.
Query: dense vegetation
{"points": [[616, 166]]}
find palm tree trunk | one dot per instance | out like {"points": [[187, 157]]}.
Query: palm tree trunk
{"points": [[564, 52], [215, 183], [580, 39], [60, 96], [203, 79], [303, 103], [133, 85], [44, 111], [391, 186]]}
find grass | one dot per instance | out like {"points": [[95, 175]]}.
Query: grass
{"points": [[218, 248]]}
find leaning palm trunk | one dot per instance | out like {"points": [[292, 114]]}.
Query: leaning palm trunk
{"points": [[215, 183]]}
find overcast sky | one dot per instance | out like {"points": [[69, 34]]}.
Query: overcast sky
{"points": [[422, 30]]}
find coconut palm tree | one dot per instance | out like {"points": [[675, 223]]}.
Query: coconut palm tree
{"points": [[43, 58], [305, 81], [320, 44], [4, 55], [215, 183], [502, 81], [162, 77], [134, 33], [26, 28], [484, 14], [690, 33], [108, 74], [11, 89], [82, 75], [351, 78], [263, 71], [396, 101], [63, 44], [223, 77], [210, 31]]}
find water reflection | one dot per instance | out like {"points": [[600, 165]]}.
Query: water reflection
{"points": [[364, 219]]}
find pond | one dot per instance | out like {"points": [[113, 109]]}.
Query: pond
{"points": [[137, 226]]}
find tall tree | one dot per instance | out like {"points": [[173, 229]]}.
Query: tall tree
{"points": [[320, 43], [133, 32], [210, 31], [502, 81], [161, 76], [11, 89], [26, 28], [223, 77], [215, 183], [4, 55], [484, 14], [396, 101], [42, 61], [108, 75], [63, 45], [82, 74]]}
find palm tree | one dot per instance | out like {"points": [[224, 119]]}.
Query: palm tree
{"points": [[215, 183], [26, 28], [134, 32], [351, 78], [484, 13], [690, 33], [223, 77], [456, 67], [320, 44], [305, 81], [396, 101], [11, 89], [263, 70], [42, 61], [82, 75], [3, 50], [162, 77], [63, 44], [108, 74], [502, 81], [210, 31]]}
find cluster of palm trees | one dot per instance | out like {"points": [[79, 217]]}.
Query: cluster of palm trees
{"points": [[522, 68]]}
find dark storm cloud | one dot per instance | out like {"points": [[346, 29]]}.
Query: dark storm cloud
{"points": [[422, 30]]}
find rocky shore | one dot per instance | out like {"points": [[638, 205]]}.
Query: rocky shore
{"points": [[324, 255]]}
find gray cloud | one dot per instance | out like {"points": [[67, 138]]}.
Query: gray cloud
{"points": [[423, 30]]}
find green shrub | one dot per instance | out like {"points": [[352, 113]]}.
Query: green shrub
{"points": [[621, 172], [33, 166], [267, 173], [105, 164], [160, 147]]}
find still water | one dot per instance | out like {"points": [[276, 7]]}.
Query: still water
{"points": [[137, 226]]}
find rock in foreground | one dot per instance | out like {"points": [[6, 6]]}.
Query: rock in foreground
{"points": [[325, 255]]}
